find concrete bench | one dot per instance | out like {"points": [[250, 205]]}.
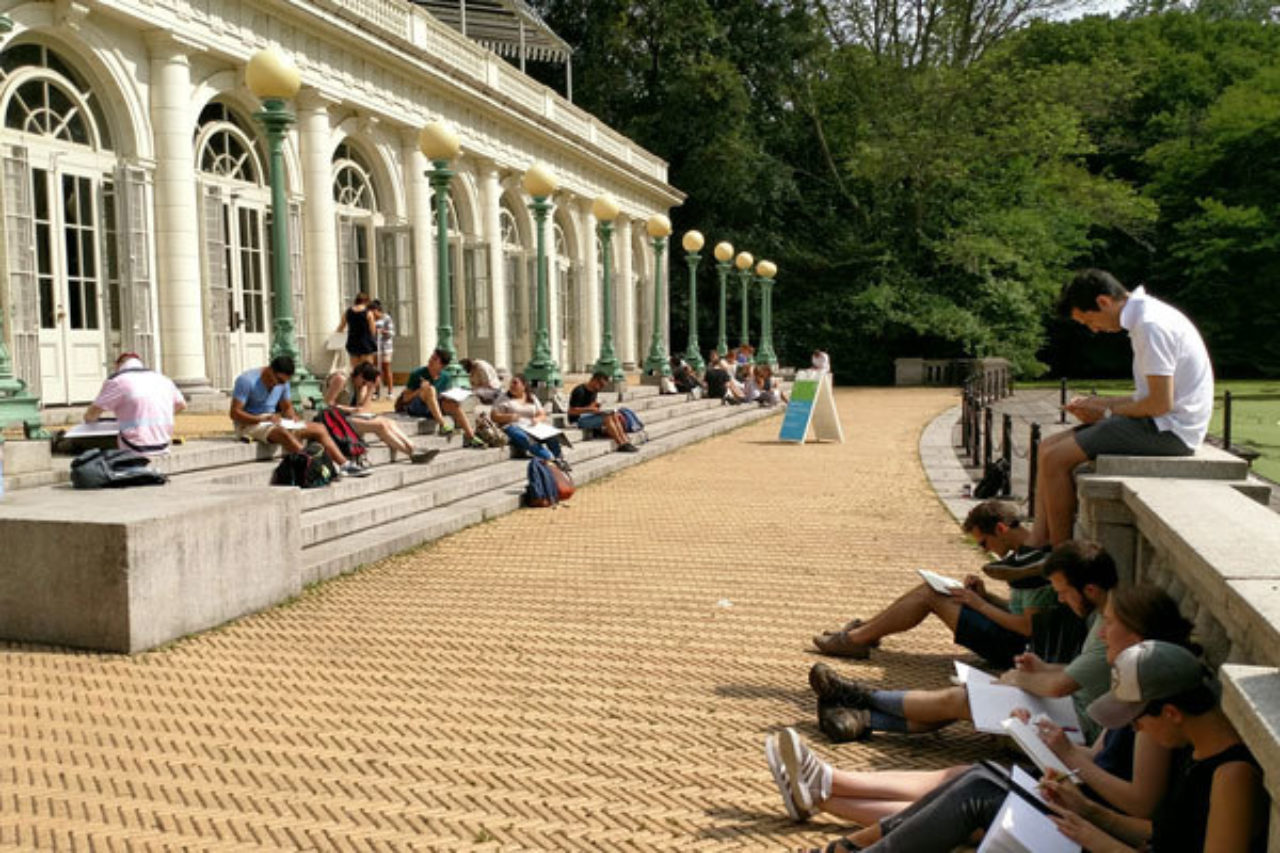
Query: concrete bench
{"points": [[123, 572]]}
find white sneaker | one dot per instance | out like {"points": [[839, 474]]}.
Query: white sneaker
{"points": [[809, 775], [794, 809], [351, 469]]}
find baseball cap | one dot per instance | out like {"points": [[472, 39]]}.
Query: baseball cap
{"points": [[1144, 673]]}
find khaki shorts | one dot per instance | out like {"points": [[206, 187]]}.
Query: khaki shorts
{"points": [[255, 432]]}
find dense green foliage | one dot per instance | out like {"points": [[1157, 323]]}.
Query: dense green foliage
{"points": [[926, 189]]}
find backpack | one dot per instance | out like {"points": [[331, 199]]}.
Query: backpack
{"points": [[113, 469], [564, 482], [542, 489], [344, 435], [630, 421], [995, 481], [307, 469], [489, 432]]}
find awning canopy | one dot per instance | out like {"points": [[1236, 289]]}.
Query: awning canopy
{"points": [[510, 28]]}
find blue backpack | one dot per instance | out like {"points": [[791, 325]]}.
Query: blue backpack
{"points": [[541, 490], [630, 420]]}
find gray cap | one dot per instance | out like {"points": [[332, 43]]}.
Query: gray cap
{"points": [[1142, 674]]}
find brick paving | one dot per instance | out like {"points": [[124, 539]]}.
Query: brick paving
{"points": [[599, 676]]}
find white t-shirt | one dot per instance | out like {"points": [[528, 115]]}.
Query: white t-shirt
{"points": [[483, 375], [1166, 343], [143, 403]]}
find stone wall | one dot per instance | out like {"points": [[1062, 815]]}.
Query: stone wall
{"points": [[1197, 528]]}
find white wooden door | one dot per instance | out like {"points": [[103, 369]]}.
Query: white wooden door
{"points": [[68, 241], [251, 318]]}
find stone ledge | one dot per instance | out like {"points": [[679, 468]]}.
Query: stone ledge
{"points": [[104, 572], [1208, 463], [1251, 699]]}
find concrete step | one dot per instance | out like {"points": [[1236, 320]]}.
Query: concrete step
{"points": [[328, 558]]}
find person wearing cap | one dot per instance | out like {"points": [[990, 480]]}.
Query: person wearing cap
{"points": [[911, 808], [144, 403], [1216, 802]]}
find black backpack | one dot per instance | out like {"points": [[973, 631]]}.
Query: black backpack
{"points": [[995, 481], [306, 469], [113, 469], [344, 435]]}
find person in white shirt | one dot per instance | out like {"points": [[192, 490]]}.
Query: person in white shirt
{"points": [[484, 379], [144, 402], [1167, 415]]}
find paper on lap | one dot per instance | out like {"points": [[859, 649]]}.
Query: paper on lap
{"points": [[1027, 736], [1020, 827], [457, 395], [541, 431], [95, 428], [939, 583], [991, 703]]}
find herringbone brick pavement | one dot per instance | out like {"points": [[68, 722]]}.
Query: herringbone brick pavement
{"points": [[599, 676]]}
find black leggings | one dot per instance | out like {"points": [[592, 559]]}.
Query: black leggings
{"points": [[947, 816]]}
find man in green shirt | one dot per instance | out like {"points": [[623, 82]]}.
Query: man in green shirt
{"points": [[987, 625], [423, 397], [1082, 575]]}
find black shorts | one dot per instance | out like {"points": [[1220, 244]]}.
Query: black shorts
{"points": [[1121, 436], [996, 644]]}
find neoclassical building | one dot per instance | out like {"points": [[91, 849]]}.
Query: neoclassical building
{"points": [[136, 201]]}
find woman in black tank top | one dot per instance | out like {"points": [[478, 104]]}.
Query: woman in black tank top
{"points": [[1215, 802], [362, 338]]}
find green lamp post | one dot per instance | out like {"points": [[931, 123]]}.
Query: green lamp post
{"points": [[724, 263], [540, 183], [273, 81], [743, 262], [605, 210], [765, 271], [440, 144], [692, 242], [656, 364]]}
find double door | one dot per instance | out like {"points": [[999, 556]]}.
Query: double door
{"points": [[239, 327], [67, 208]]}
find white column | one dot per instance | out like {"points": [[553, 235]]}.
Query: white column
{"points": [[491, 229], [418, 194], [177, 216], [588, 307], [625, 331], [320, 239], [553, 278]]}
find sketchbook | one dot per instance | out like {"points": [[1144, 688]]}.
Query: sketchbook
{"points": [[939, 583], [991, 703]]}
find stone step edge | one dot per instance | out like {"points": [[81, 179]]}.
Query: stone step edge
{"points": [[382, 541]]}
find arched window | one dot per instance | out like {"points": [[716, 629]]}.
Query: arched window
{"points": [[225, 148], [51, 99], [352, 186]]}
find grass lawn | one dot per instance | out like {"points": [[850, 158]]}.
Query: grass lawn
{"points": [[1255, 413]]}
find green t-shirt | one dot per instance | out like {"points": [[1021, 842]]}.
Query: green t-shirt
{"points": [[420, 374], [1040, 598], [1092, 672]]}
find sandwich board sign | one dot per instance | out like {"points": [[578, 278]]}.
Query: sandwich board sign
{"points": [[812, 410]]}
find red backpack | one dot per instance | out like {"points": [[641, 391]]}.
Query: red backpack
{"points": [[340, 429]]}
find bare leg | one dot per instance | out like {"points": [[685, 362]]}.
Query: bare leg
{"points": [[908, 785], [459, 417], [333, 387], [285, 439], [1046, 498], [863, 812], [317, 432], [427, 395], [385, 431], [935, 708], [613, 427], [1060, 485], [906, 613]]}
